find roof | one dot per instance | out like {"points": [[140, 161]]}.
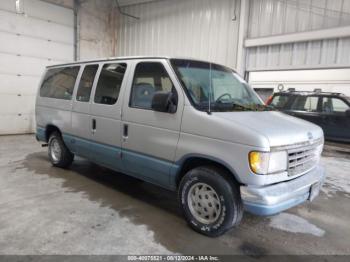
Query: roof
{"points": [[293, 92], [109, 59], [124, 58]]}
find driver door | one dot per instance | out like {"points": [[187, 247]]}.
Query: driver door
{"points": [[149, 137]]}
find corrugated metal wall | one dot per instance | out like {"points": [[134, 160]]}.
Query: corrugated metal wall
{"points": [[204, 29], [276, 17]]}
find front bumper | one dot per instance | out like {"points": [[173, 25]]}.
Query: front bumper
{"points": [[275, 198]]}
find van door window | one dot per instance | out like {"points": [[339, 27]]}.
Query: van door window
{"points": [[86, 82], [150, 77], [109, 83], [59, 83]]}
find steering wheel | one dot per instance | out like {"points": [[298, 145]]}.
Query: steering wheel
{"points": [[223, 95]]}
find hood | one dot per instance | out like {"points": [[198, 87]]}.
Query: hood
{"points": [[278, 128]]}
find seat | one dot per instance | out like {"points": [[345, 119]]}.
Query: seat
{"points": [[142, 95], [327, 107]]}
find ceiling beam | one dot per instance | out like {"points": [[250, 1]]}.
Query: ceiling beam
{"points": [[331, 33], [63, 3], [133, 2]]}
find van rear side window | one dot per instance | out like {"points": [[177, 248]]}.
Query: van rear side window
{"points": [[59, 83], [86, 82], [109, 83]]}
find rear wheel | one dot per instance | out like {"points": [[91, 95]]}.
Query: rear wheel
{"points": [[210, 201], [59, 154]]}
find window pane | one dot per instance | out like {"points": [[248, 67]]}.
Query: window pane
{"points": [[59, 83], [339, 105], [280, 101], [109, 83], [305, 103], [149, 78], [334, 105], [214, 87], [86, 82]]}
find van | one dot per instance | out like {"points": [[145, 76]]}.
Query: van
{"points": [[185, 125]]}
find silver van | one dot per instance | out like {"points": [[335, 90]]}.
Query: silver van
{"points": [[185, 125]]}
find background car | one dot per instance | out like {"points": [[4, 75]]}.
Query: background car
{"points": [[331, 111]]}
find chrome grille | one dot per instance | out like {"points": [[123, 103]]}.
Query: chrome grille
{"points": [[303, 159]]}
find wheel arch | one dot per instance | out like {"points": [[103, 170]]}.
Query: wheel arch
{"points": [[195, 160], [50, 128]]}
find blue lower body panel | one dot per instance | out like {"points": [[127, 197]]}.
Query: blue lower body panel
{"points": [[273, 199], [40, 134], [267, 210], [142, 166]]}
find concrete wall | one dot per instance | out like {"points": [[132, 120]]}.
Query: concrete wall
{"points": [[97, 25]]}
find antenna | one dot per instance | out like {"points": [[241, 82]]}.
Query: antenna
{"points": [[210, 90]]}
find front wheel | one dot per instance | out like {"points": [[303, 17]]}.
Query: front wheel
{"points": [[210, 201], [59, 154]]}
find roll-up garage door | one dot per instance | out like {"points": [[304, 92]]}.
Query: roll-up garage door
{"points": [[33, 34], [328, 80]]}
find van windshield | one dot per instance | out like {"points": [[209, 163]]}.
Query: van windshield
{"points": [[215, 88]]}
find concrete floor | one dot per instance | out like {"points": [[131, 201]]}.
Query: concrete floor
{"points": [[91, 210]]}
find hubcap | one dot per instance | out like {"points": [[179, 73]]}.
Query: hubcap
{"points": [[204, 203], [55, 150]]}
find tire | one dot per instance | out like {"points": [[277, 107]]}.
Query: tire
{"points": [[210, 201], [59, 154]]}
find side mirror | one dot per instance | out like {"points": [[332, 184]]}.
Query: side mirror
{"points": [[347, 113], [164, 102]]}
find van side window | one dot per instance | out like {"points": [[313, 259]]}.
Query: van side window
{"points": [[59, 82], [149, 77], [109, 83], [86, 82]]}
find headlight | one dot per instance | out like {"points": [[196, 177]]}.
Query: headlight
{"points": [[263, 163]]}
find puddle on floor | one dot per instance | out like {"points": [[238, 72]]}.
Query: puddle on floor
{"points": [[337, 176], [295, 224]]}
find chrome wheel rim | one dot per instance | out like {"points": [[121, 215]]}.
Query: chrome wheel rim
{"points": [[204, 203], [55, 150]]}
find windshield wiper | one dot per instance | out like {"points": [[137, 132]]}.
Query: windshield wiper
{"points": [[240, 107], [232, 106], [228, 106], [257, 107]]}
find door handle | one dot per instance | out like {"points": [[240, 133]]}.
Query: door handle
{"points": [[125, 131], [93, 125]]}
